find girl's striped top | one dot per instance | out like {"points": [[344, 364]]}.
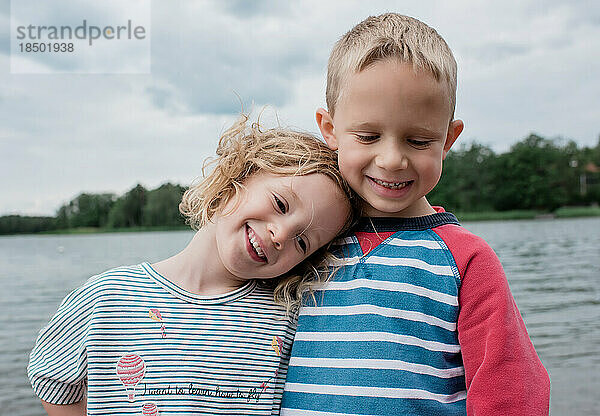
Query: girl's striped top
{"points": [[421, 323], [137, 344]]}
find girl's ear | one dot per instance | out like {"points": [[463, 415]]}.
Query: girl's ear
{"points": [[454, 129], [325, 123]]}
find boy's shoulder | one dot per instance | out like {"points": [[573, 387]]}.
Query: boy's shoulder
{"points": [[456, 234], [441, 230], [459, 239], [475, 259]]}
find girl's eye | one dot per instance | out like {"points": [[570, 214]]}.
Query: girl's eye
{"points": [[366, 139], [301, 243], [280, 204]]}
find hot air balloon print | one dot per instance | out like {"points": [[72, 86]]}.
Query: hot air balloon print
{"points": [[131, 369], [156, 316], [149, 409], [277, 345]]}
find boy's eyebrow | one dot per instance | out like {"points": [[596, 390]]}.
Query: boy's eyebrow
{"points": [[368, 125], [426, 131], [364, 125]]}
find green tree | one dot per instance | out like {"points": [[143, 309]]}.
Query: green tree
{"points": [[588, 161], [466, 182], [85, 210], [17, 224], [90, 210], [62, 218], [127, 210], [535, 174], [162, 206]]}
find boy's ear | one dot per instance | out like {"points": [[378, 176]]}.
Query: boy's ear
{"points": [[454, 129], [325, 123]]}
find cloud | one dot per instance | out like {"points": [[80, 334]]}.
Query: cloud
{"points": [[89, 133], [532, 73], [245, 9], [62, 21], [219, 56]]}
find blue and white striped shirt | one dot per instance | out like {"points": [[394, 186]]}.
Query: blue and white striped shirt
{"points": [[382, 339]]}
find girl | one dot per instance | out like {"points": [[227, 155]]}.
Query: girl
{"points": [[207, 331]]}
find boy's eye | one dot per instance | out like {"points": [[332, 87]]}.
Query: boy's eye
{"points": [[280, 204], [301, 243], [419, 143], [367, 138]]}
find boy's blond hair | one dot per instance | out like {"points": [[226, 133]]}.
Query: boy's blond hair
{"points": [[246, 149], [387, 36]]}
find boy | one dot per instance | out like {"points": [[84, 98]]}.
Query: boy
{"points": [[420, 319]]}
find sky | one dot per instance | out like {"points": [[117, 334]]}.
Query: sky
{"points": [[524, 67]]}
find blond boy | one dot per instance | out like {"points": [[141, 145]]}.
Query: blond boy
{"points": [[420, 319]]}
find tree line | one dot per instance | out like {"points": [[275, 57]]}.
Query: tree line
{"points": [[138, 207], [535, 174]]}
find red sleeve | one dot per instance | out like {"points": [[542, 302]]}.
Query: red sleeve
{"points": [[503, 373]]}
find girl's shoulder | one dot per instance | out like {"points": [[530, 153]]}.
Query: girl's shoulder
{"points": [[119, 280], [119, 274]]}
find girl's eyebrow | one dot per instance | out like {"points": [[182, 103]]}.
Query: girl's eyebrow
{"points": [[297, 200], [303, 232], [293, 194]]}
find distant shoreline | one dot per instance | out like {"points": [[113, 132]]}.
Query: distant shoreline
{"points": [[565, 212], [95, 230]]}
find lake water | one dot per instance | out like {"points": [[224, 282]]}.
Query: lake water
{"points": [[553, 267]]}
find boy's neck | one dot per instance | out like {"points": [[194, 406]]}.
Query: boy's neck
{"points": [[419, 208]]}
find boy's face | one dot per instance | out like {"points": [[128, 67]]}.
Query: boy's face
{"points": [[392, 130]]}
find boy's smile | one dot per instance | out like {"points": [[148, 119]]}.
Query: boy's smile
{"points": [[392, 130]]}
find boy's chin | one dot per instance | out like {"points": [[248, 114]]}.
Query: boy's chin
{"points": [[418, 208]]}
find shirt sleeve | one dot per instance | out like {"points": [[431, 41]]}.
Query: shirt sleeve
{"points": [[58, 362], [503, 374]]}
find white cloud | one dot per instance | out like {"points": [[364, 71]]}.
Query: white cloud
{"points": [[523, 66]]}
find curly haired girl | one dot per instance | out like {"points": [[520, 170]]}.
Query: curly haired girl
{"points": [[209, 330]]}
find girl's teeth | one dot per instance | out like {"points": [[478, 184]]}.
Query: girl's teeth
{"points": [[255, 244]]}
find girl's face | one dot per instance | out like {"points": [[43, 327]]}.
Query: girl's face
{"points": [[276, 222]]}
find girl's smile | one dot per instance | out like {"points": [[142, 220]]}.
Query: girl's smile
{"points": [[274, 223], [254, 246]]}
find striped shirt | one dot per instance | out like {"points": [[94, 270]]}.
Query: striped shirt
{"points": [[385, 338], [137, 344]]}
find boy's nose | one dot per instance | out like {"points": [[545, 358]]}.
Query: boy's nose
{"points": [[391, 157]]}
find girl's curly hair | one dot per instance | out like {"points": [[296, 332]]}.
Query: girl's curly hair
{"points": [[246, 149]]}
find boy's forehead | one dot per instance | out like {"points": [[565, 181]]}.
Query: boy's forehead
{"points": [[391, 86], [364, 81]]}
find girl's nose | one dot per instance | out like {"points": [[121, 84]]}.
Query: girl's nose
{"points": [[279, 234]]}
